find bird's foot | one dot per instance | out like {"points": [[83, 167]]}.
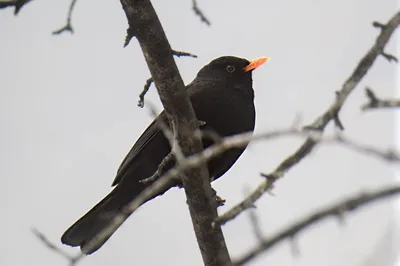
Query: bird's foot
{"points": [[167, 161]]}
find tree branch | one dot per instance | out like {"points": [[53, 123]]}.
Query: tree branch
{"points": [[149, 81], [377, 103], [68, 25], [337, 210], [182, 53], [386, 155], [146, 88], [200, 13], [320, 123], [241, 140], [73, 260], [18, 4], [145, 25], [224, 144], [188, 163], [236, 141]]}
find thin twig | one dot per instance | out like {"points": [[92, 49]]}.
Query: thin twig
{"points": [[320, 123], [220, 201], [150, 80], [18, 4], [68, 25], [255, 225], [200, 13], [170, 159], [146, 88], [387, 155], [181, 53], [73, 260], [377, 103], [336, 210]]}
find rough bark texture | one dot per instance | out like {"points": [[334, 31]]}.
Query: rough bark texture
{"points": [[146, 27]]}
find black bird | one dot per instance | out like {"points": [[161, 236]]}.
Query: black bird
{"points": [[222, 97]]}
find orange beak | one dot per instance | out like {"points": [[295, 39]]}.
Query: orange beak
{"points": [[256, 63]]}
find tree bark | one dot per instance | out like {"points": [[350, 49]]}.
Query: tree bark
{"points": [[146, 27]]}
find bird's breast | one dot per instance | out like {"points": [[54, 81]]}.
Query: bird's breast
{"points": [[227, 111]]}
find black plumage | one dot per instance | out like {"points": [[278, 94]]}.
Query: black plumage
{"points": [[222, 96]]}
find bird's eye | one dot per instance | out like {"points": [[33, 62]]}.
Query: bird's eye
{"points": [[230, 68]]}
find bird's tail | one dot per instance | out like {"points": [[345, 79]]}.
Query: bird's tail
{"points": [[95, 220]]}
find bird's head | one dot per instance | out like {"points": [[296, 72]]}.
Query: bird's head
{"points": [[231, 69]]}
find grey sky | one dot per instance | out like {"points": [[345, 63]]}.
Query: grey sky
{"points": [[68, 116]]}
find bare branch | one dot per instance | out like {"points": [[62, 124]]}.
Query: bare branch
{"points": [[146, 88], [320, 123], [336, 119], [156, 187], [220, 201], [187, 163], [18, 4], [73, 260], [385, 155], [255, 225], [389, 57], [68, 25], [241, 140], [145, 25], [376, 103], [200, 13], [336, 210], [167, 161], [237, 141], [149, 81], [181, 53]]}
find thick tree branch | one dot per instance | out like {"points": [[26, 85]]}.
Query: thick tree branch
{"points": [[145, 25], [377, 103], [68, 25], [320, 123], [337, 210], [18, 4]]}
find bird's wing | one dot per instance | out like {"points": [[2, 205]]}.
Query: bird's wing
{"points": [[150, 132]]}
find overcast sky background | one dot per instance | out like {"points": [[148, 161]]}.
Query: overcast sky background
{"points": [[68, 116]]}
